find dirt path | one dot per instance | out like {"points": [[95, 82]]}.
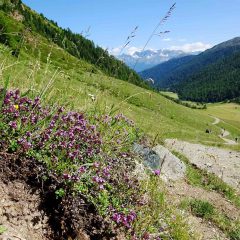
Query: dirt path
{"points": [[222, 162], [217, 120], [224, 133], [205, 230], [181, 190]]}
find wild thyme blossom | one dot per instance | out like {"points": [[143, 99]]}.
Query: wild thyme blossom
{"points": [[122, 117], [124, 219], [157, 172], [13, 124], [85, 154], [82, 169], [24, 144]]}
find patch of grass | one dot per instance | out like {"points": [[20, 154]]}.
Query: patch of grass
{"points": [[209, 181], [2, 229], [157, 214], [229, 112], [232, 129], [174, 97], [207, 211], [201, 208]]}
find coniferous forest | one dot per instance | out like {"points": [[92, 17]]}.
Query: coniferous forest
{"points": [[217, 82], [211, 76]]}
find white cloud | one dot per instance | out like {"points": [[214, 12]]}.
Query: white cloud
{"points": [[115, 51], [192, 47], [128, 50], [167, 39], [132, 50]]}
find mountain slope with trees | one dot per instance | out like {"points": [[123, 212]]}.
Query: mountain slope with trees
{"points": [[210, 76], [163, 70], [73, 43], [217, 82]]}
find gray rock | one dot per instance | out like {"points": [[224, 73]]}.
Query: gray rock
{"points": [[150, 158], [172, 168]]}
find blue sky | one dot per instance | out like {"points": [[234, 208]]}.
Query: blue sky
{"points": [[194, 25]]}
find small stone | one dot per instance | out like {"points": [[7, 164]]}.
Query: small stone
{"points": [[82, 236]]}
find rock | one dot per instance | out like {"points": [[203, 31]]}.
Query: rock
{"points": [[150, 158], [172, 168]]}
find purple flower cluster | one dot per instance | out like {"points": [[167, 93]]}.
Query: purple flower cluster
{"points": [[102, 175], [124, 219], [70, 136], [22, 115], [118, 118], [75, 177], [121, 117], [78, 151], [22, 110], [67, 136]]}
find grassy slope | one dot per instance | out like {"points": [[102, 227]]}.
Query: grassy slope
{"points": [[170, 94], [228, 112], [41, 63], [152, 112]]}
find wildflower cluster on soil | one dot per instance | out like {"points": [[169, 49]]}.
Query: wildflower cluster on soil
{"points": [[89, 156]]}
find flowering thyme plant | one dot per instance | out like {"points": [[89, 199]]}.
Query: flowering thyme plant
{"points": [[89, 155]]}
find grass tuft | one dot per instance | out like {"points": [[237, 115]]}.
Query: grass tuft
{"points": [[2, 229]]}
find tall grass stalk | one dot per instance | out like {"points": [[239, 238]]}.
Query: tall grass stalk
{"points": [[155, 30]]}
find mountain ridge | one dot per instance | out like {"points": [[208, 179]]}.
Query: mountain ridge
{"points": [[150, 58], [179, 74]]}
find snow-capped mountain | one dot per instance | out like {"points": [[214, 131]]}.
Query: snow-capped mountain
{"points": [[149, 58]]}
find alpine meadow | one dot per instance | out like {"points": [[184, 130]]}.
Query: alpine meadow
{"points": [[91, 149]]}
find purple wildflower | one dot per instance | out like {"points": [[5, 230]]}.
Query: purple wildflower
{"points": [[157, 172], [66, 176], [116, 217], [13, 124]]}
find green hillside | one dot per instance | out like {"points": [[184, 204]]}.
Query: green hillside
{"points": [[75, 44], [216, 82], [71, 81]]}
